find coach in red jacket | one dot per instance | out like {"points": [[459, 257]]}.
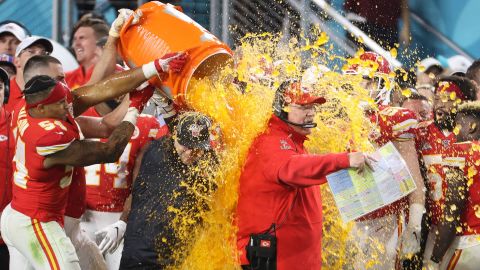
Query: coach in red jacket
{"points": [[280, 185]]}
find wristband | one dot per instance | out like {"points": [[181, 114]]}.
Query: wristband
{"points": [[131, 116], [149, 70]]}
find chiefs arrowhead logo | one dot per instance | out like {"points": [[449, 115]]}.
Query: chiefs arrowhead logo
{"points": [[284, 145], [265, 243]]}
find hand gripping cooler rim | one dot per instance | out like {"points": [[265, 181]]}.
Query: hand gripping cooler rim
{"points": [[211, 50]]}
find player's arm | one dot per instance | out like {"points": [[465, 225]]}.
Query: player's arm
{"points": [[82, 153], [409, 154], [102, 127], [85, 153], [107, 62], [455, 201], [121, 83], [136, 168], [412, 234], [114, 86], [404, 129], [112, 234]]}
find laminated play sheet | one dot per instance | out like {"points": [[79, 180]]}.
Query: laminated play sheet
{"points": [[359, 194]]}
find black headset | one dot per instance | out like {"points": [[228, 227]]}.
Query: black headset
{"points": [[6, 82], [279, 104]]}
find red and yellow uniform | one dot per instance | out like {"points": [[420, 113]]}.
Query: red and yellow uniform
{"points": [[464, 250], [109, 185], [5, 160], [377, 233], [78, 77], [433, 143], [468, 155], [32, 224], [38, 192], [391, 124]]}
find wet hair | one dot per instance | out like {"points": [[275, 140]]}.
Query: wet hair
{"points": [[36, 62], [466, 86]]}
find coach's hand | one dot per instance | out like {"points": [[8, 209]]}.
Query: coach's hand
{"points": [[359, 161], [111, 236]]}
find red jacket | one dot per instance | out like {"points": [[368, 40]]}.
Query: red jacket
{"points": [[277, 168]]}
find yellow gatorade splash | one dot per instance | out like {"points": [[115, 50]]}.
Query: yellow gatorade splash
{"points": [[242, 111]]}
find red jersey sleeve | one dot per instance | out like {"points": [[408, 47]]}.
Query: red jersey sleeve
{"points": [[57, 138], [396, 124]]}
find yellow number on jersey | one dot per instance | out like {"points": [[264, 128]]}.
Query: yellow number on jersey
{"points": [[49, 125]]}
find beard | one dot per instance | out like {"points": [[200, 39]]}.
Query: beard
{"points": [[447, 122]]}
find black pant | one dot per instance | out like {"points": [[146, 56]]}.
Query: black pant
{"points": [[4, 257]]}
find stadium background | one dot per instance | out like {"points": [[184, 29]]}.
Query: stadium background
{"points": [[456, 20]]}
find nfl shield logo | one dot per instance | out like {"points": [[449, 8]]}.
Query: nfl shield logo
{"points": [[196, 130]]}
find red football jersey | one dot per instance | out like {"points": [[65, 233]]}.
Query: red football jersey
{"points": [[38, 192], [432, 143], [76, 202], [77, 196], [391, 124], [466, 155], [5, 159], [109, 185], [13, 128], [77, 77]]}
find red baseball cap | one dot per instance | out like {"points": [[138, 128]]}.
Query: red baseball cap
{"points": [[295, 94]]}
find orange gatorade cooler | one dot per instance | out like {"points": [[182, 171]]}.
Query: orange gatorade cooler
{"points": [[163, 29]]}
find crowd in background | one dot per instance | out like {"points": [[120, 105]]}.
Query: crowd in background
{"points": [[432, 118]]}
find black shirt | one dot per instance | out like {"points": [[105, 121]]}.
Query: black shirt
{"points": [[164, 195]]}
